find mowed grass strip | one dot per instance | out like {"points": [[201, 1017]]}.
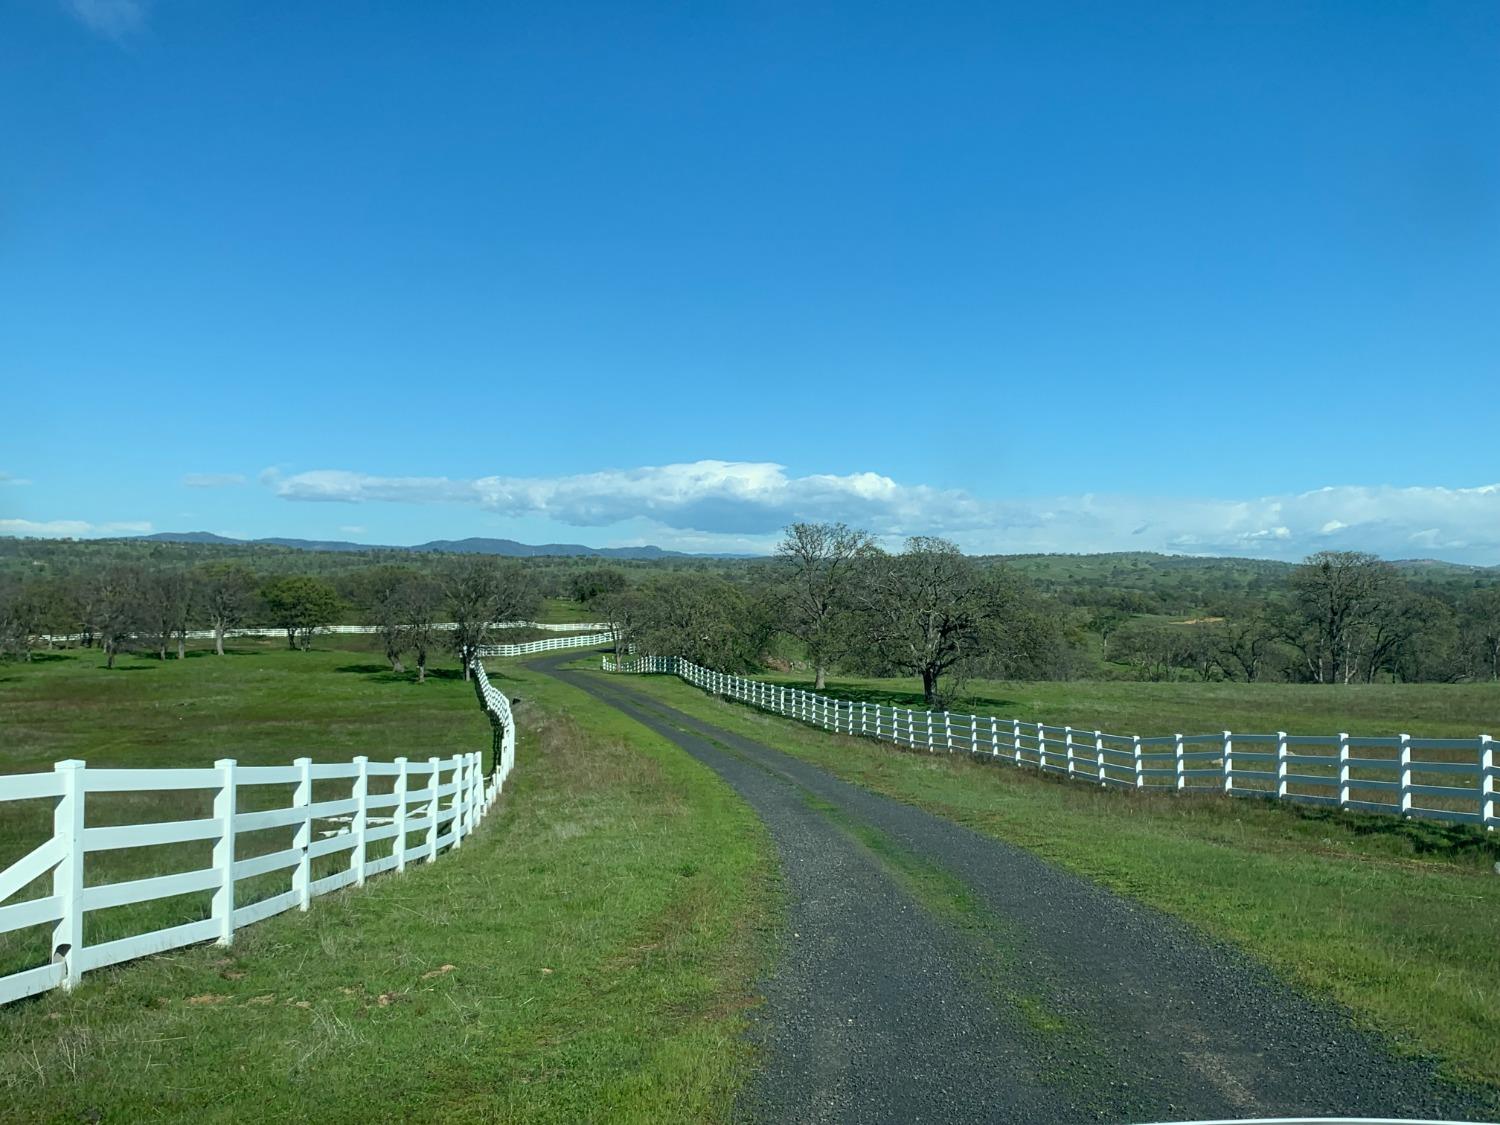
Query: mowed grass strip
{"points": [[1396, 920], [586, 955]]}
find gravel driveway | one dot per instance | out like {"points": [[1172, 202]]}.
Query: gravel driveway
{"points": [[928, 973]]}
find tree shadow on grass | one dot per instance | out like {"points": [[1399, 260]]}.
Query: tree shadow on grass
{"points": [[1421, 837], [382, 673]]}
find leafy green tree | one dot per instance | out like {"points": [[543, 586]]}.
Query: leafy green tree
{"points": [[594, 582], [301, 605], [704, 618]]}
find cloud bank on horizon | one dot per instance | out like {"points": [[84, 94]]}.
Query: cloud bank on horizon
{"points": [[742, 505]]}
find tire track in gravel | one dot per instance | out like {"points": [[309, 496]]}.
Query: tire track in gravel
{"points": [[931, 973]]}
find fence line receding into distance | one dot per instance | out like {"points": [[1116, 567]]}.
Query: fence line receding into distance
{"points": [[280, 631], [526, 648], [1452, 779], [406, 810]]}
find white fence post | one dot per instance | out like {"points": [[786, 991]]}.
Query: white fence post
{"points": [[1344, 772], [1099, 754], [1487, 782], [1406, 775], [456, 829], [1228, 763], [930, 743], [1041, 747], [67, 876], [947, 732], [398, 816], [433, 808], [1282, 765], [994, 737], [302, 838], [223, 858], [1181, 762], [1138, 761], [1068, 748], [361, 818], [973, 734], [1015, 738]]}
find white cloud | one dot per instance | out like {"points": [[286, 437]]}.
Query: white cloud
{"points": [[113, 18], [73, 528], [213, 480], [353, 528], [715, 496], [734, 506]]}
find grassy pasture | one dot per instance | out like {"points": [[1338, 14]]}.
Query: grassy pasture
{"points": [[1396, 920], [564, 611], [585, 955]]}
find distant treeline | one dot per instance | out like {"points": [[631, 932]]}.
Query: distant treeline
{"points": [[830, 600]]}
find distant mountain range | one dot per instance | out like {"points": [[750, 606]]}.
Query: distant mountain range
{"points": [[507, 547]]}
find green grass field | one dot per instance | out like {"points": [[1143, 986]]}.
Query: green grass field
{"points": [[586, 955], [1395, 920], [562, 611]]}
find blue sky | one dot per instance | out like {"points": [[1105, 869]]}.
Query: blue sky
{"points": [[1189, 277]]}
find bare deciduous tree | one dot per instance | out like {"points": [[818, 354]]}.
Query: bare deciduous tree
{"points": [[1337, 595], [227, 591], [166, 607], [933, 612], [1481, 629], [423, 604], [818, 563], [21, 612], [482, 592], [115, 597], [386, 590], [1243, 648]]}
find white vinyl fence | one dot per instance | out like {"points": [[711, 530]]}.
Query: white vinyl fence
{"points": [[528, 647], [421, 808], [1450, 779], [278, 631]]}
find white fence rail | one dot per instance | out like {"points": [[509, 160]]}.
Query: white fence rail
{"points": [[426, 807], [279, 631], [1452, 779], [528, 647]]}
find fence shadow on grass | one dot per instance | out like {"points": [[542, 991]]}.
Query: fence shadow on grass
{"points": [[1423, 837]]}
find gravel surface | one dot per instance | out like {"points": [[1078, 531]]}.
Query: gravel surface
{"points": [[1045, 999]]}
